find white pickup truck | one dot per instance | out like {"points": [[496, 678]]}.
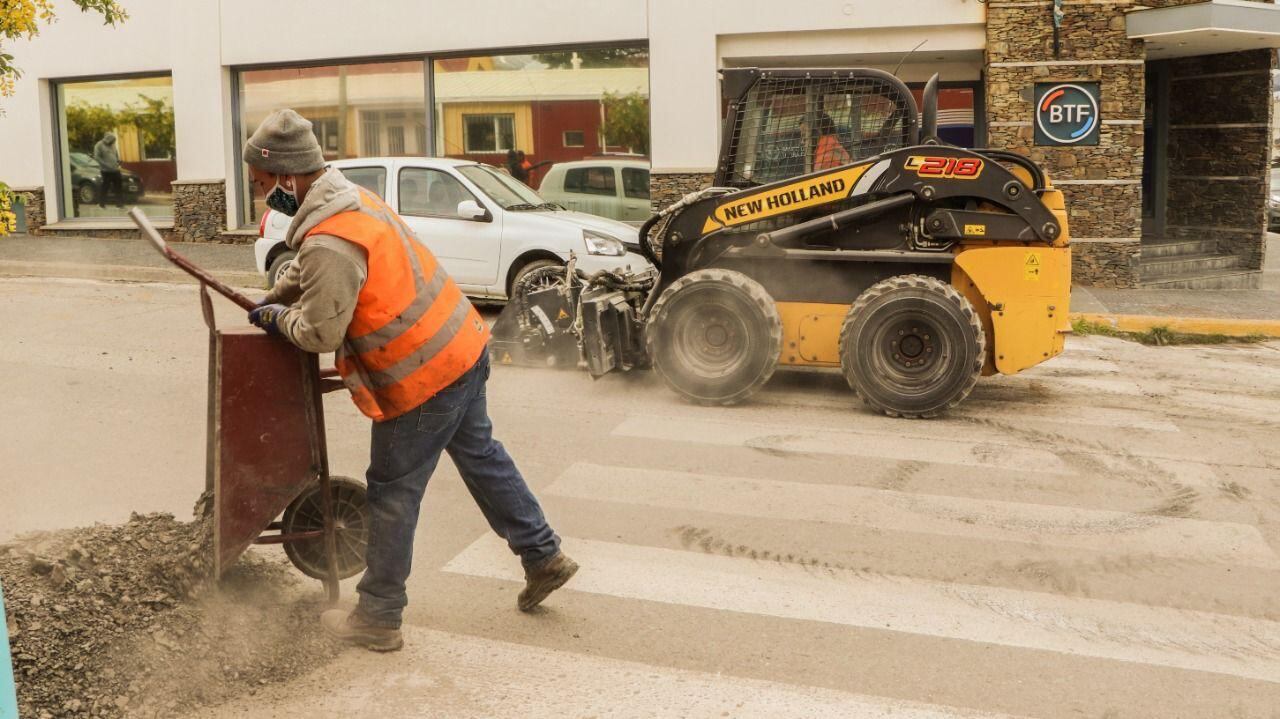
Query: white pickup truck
{"points": [[609, 187]]}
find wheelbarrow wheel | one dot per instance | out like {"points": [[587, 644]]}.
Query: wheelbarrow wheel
{"points": [[351, 521]]}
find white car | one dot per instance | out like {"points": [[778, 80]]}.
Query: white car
{"points": [[486, 228], [616, 187]]}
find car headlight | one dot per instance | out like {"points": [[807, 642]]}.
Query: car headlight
{"points": [[601, 244], [1275, 200]]}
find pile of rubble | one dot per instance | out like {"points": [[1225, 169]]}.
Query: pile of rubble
{"points": [[111, 621]]}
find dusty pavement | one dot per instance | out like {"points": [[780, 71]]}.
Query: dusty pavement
{"points": [[1094, 538]]}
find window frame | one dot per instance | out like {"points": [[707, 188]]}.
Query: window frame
{"points": [[648, 193], [586, 170], [385, 173], [430, 120], [59, 120], [399, 197], [466, 136], [564, 138]]}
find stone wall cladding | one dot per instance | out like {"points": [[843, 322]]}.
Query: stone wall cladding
{"points": [[1094, 47], [199, 210], [34, 208], [1104, 211], [1105, 263], [666, 188], [1219, 150]]}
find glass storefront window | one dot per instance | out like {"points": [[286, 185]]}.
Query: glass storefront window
{"points": [[373, 109], [548, 105], [116, 146]]}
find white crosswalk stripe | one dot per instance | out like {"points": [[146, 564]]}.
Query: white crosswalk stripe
{"points": [[1194, 640], [484, 677], [940, 446], [1096, 530]]}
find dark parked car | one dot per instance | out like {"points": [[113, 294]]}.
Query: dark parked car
{"points": [[86, 180]]}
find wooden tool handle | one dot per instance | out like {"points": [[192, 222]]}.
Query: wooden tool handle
{"points": [[149, 231]]}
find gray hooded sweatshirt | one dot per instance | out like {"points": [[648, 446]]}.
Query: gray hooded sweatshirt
{"points": [[107, 153], [323, 283]]}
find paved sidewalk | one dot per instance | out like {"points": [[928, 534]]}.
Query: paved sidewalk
{"points": [[1262, 304], [23, 255]]}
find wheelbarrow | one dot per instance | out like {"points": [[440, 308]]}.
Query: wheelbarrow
{"points": [[267, 463]]}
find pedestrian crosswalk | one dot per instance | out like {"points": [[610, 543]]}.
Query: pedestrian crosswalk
{"points": [[634, 549]]}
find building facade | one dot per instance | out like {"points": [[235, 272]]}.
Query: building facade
{"points": [[1167, 173]]}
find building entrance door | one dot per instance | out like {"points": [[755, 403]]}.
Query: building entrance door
{"points": [[1155, 148]]}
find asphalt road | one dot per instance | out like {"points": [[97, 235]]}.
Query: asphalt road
{"points": [[1093, 538]]}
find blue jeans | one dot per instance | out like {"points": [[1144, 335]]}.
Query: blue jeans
{"points": [[403, 456]]}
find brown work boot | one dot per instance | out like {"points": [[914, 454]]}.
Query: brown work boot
{"points": [[544, 578], [350, 627]]}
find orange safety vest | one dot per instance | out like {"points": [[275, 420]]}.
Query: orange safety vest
{"points": [[830, 153], [413, 332]]}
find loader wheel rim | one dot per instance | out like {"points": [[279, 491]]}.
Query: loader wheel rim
{"points": [[711, 341]]}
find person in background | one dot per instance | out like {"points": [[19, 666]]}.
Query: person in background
{"points": [[828, 151], [413, 353], [107, 155], [526, 168]]}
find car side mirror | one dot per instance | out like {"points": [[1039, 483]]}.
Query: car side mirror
{"points": [[471, 210]]}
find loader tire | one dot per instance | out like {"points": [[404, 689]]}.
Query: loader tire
{"points": [[912, 346], [714, 336]]}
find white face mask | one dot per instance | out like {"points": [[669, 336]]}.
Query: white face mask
{"points": [[282, 200]]}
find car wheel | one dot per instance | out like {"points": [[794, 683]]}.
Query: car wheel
{"points": [[526, 269], [279, 266], [86, 193]]}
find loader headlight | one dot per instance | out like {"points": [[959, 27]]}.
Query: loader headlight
{"points": [[601, 244]]}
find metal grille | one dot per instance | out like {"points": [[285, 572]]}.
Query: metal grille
{"points": [[789, 126]]}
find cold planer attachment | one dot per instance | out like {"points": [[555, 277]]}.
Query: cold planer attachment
{"points": [[913, 269]]}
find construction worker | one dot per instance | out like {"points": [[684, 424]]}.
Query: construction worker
{"points": [[412, 351]]}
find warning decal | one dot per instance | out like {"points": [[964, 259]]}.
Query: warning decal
{"points": [[1031, 267]]}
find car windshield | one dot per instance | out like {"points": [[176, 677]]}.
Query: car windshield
{"points": [[79, 158], [509, 193]]}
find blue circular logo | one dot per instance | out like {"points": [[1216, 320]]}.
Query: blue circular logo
{"points": [[1067, 114]]}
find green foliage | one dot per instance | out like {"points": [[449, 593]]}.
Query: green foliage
{"points": [[597, 57], [154, 119], [86, 124], [626, 121], [22, 19], [1160, 336], [8, 218]]}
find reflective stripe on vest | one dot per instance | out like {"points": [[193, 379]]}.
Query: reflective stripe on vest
{"points": [[413, 332]]}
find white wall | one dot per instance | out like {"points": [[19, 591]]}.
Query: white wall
{"points": [[199, 40], [686, 38]]}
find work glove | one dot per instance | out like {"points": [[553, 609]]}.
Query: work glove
{"points": [[267, 317]]}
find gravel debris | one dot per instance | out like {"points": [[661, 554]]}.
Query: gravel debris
{"points": [[123, 620]]}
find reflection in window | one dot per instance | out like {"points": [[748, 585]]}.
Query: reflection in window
{"points": [[488, 133], [373, 179], [117, 146], [426, 192], [590, 181], [635, 183], [547, 105], [361, 110]]}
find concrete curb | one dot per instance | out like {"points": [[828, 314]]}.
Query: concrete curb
{"points": [[120, 273], [1189, 325]]}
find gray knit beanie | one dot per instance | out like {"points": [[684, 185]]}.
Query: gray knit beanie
{"points": [[284, 145]]}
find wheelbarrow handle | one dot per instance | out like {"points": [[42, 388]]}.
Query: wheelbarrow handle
{"points": [[149, 231]]}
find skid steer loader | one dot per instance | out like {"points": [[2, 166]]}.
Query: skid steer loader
{"points": [[911, 266]]}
